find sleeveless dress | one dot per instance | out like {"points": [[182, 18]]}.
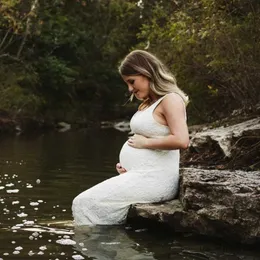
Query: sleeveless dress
{"points": [[152, 176]]}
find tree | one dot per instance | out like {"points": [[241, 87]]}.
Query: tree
{"points": [[213, 48]]}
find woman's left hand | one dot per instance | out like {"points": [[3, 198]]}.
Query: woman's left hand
{"points": [[138, 141]]}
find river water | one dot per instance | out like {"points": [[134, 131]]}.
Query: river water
{"points": [[39, 177]]}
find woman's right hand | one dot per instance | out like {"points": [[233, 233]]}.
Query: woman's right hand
{"points": [[120, 169]]}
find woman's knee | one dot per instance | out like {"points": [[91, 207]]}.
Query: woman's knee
{"points": [[77, 201], [82, 199]]}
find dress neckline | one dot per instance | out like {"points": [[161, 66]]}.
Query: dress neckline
{"points": [[155, 102]]}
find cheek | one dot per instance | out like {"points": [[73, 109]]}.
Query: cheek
{"points": [[145, 85]]}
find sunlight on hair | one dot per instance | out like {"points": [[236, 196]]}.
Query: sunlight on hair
{"points": [[162, 81]]}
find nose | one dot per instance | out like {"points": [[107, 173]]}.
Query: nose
{"points": [[130, 88]]}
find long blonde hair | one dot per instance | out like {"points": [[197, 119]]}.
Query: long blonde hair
{"points": [[162, 82]]}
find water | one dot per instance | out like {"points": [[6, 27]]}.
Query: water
{"points": [[39, 177]]}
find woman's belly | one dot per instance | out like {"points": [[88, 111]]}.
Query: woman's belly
{"points": [[142, 159]]}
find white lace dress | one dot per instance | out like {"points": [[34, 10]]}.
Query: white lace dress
{"points": [[152, 176]]}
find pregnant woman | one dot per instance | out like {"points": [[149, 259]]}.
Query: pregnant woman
{"points": [[149, 160]]}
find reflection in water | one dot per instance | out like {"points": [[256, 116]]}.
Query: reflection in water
{"points": [[108, 243]]}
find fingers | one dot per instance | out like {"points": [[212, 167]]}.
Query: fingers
{"points": [[132, 145], [120, 169], [118, 165], [135, 141], [131, 141]]}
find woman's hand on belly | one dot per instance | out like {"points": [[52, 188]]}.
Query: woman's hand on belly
{"points": [[138, 141], [120, 169]]}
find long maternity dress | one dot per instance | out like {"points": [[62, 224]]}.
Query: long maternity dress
{"points": [[152, 176]]}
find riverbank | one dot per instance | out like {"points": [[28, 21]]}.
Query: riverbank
{"points": [[219, 183], [14, 124], [26, 125], [229, 146], [231, 143], [215, 200]]}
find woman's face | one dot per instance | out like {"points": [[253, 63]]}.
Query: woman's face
{"points": [[139, 85]]}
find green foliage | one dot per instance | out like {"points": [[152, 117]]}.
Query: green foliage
{"points": [[16, 90], [61, 57], [74, 48], [57, 79], [209, 43]]}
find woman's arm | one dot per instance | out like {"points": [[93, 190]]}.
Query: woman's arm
{"points": [[173, 110]]}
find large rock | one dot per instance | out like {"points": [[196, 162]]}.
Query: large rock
{"points": [[214, 203], [226, 147], [224, 136]]}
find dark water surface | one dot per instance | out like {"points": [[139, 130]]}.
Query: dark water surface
{"points": [[39, 177]]}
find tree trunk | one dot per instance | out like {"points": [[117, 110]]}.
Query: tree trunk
{"points": [[31, 14]]}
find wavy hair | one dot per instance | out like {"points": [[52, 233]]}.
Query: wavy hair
{"points": [[162, 82]]}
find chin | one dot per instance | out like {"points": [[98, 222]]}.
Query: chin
{"points": [[142, 98]]}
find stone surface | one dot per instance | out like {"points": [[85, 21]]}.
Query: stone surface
{"points": [[214, 203], [231, 147], [225, 136], [122, 126]]}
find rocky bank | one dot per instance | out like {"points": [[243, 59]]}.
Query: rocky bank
{"points": [[219, 180], [216, 201]]}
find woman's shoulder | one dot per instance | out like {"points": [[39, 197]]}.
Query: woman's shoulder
{"points": [[173, 104], [173, 98]]}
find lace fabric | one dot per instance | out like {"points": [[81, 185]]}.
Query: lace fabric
{"points": [[152, 176]]}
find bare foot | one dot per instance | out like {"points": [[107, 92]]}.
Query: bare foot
{"points": [[120, 169]]}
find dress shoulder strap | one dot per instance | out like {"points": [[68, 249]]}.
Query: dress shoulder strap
{"points": [[157, 102]]}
